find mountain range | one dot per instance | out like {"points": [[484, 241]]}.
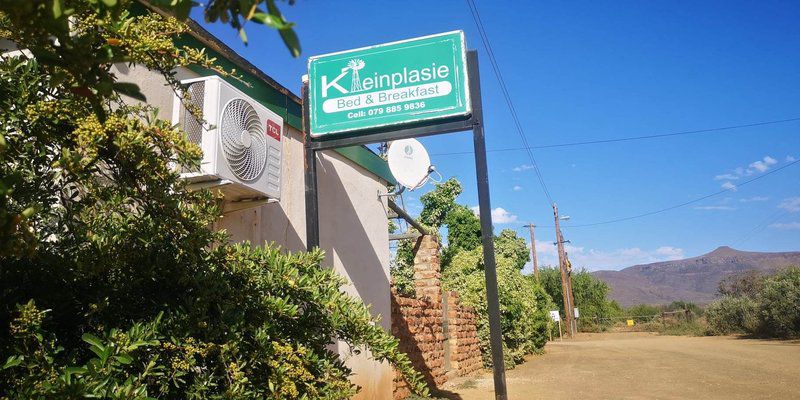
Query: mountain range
{"points": [[693, 279]]}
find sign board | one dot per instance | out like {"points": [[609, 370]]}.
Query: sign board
{"points": [[555, 316], [391, 84], [629, 322], [577, 314]]}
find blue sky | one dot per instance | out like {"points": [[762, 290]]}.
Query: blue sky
{"points": [[581, 71]]}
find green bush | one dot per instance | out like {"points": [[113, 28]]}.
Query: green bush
{"points": [[680, 305], [524, 305], [401, 268], [590, 295], [695, 327], [732, 315], [779, 304], [112, 285], [763, 305]]}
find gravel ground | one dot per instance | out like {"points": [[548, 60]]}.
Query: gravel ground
{"points": [[649, 366]]}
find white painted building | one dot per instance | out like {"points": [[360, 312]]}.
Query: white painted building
{"points": [[353, 224]]}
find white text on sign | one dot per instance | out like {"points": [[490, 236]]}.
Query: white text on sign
{"points": [[384, 97]]}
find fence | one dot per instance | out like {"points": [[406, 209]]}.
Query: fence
{"points": [[663, 317]]}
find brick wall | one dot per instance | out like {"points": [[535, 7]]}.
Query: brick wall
{"points": [[427, 269], [420, 324], [465, 353]]}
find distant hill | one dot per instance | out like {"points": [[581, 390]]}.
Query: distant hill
{"points": [[693, 279]]}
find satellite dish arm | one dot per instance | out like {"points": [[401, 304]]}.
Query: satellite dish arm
{"points": [[397, 192]]}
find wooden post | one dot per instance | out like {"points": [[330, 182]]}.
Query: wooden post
{"points": [[533, 251], [566, 288], [560, 338]]}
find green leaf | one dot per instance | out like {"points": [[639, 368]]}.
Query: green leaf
{"points": [[93, 340], [28, 212], [182, 9], [75, 370], [110, 3], [130, 90], [243, 35], [57, 9], [124, 359], [291, 41], [69, 371], [13, 361], [272, 21]]}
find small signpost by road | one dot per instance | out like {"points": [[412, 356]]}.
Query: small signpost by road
{"points": [[411, 88], [556, 317]]}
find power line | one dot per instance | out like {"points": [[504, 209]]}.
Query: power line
{"points": [[632, 138], [717, 193], [493, 61], [774, 217]]}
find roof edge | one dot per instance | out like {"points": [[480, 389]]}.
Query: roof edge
{"points": [[207, 39]]}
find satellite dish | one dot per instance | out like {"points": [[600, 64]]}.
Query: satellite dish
{"points": [[409, 163]]}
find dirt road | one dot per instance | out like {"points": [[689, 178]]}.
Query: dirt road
{"points": [[648, 366]]}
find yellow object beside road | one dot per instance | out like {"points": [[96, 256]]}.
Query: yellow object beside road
{"points": [[630, 322]]}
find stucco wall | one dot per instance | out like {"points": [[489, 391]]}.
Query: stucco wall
{"points": [[353, 225], [354, 234]]}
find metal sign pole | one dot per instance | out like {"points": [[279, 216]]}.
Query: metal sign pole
{"points": [[487, 234], [312, 198], [474, 123]]}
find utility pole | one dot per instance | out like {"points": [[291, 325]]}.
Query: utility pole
{"points": [[566, 279], [533, 251], [574, 326]]}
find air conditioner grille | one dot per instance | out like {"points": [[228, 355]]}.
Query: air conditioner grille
{"points": [[243, 140], [191, 123]]}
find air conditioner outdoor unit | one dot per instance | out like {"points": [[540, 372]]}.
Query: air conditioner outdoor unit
{"points": [[240, 139]]}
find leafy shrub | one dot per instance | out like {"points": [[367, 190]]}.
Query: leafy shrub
{"points": [[732, 315], [590, 295], [401, 269], [747, 283], [111, 283], [679, 305], [463, 229], [507, 244], [644, 311], [695, 327], [779, 304], [764, 305], [524, 305]]}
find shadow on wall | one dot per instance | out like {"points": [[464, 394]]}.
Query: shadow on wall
{"points": [[354, 235], [266, 224], [409, 321], [418, 326], [277, 226], [351, 235]]}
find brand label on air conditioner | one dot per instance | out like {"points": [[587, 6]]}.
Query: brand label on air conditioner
{"points": [[273, 130]]}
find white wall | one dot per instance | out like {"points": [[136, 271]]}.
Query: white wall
{"points": [[355, 236]]}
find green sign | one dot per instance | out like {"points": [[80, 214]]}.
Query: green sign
{"points": [[389, 84]]}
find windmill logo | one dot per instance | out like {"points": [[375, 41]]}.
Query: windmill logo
{"points": [[354, 66]]}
